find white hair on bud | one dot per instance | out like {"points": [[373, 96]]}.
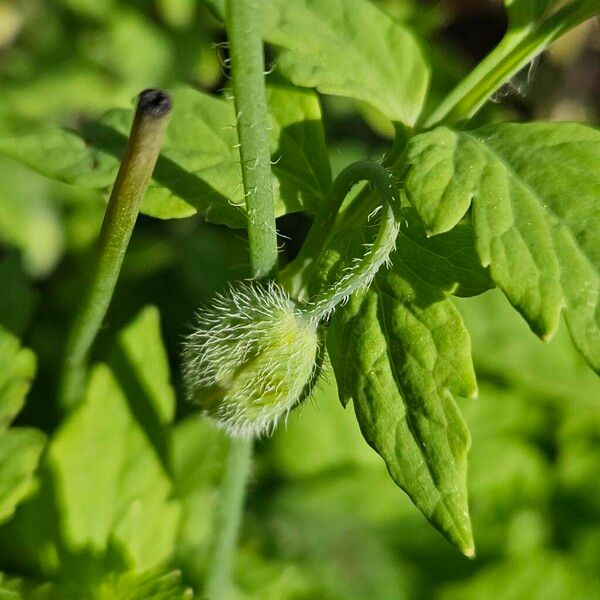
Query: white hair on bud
{"points": [[249, 358]]}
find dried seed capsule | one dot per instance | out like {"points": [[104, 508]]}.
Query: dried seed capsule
{"points": [[249, 358]]}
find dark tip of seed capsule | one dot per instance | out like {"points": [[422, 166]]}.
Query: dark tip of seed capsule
{"points": [[155, 103]]}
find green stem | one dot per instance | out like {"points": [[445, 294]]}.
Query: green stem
{"points": [[228, 519], [516, 50], [132, 180], [247, 65], [361, 272]]}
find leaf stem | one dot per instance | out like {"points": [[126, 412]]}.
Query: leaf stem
{"points": [[248, 81], [512, 54], [141, 153]]}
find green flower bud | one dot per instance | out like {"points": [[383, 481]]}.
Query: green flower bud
{"points": [[250, 357]]}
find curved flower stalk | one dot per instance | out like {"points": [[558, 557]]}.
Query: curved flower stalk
{"points": [[253, 353], [361, 272]]}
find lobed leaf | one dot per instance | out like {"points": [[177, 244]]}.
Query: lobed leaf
{"points": [[534, 189], [198, 169], [350, 48], [400, 352]]}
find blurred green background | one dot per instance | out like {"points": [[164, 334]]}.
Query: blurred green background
{"points": [[324, 520]]}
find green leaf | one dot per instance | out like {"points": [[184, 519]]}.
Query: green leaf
{"points": [[20, 447], [149, 585], [119, 497], [29, 219], [350, 48], [301, 162], [534, 190], [448, 261], [152, 585], [400, 352], [105, 495], [139, 354], [198, 170], [16, 307]]}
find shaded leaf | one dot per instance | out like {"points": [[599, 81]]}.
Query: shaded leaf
{"points": [[17, 306], [534, 189], [198, 170], [448, 261], [121, 496]]}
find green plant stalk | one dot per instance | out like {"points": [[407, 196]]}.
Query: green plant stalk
{"points": [[384, 190], [248, 81], [143, 146], [360, 274], [515, 51]]}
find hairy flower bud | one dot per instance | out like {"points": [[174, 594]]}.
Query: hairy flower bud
{"points": [[249, 358]]}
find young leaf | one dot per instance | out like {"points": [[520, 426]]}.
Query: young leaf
{"points": [[400, 352], [534, 189], [198, 170], [350, 48], [20, 447]]}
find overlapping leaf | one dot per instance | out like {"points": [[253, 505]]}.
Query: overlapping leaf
{"points": [[448, 261], [198, 170], [535, 191], [400, 352]]}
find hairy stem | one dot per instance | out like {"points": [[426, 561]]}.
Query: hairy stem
{"points": [[132, 180], [247, 64], [381, 193], [512, 54]]}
